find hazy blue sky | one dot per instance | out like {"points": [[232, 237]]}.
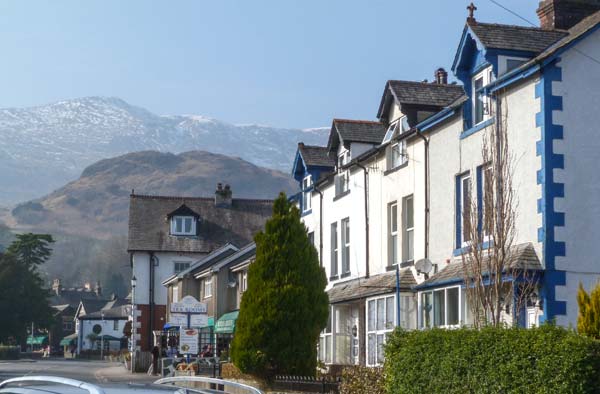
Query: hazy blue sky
{"points": [[285, 63]]}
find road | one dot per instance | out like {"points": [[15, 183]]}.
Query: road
{"points": [[88, 371]]}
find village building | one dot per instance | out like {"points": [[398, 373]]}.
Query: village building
{"points": [[168, 235], [384, 202], [99, 320]]}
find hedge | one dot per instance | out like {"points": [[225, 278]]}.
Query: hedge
{"points": [[548, 359], [9, 352], [362, 380]]}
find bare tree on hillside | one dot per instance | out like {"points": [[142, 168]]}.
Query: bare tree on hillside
{"points": [[495, 281]]}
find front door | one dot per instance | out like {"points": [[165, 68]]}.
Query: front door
{"points": [[355, 336]]}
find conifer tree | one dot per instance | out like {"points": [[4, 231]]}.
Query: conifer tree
{"points": [[588, 321], [285, 306]]}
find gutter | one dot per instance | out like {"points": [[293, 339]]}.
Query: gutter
{"points": [[366, 180], [315, 188]]}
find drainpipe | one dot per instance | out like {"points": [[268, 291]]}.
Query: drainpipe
{"points": [[320, 224], [151, 300], [426, 141], [366, 180]]}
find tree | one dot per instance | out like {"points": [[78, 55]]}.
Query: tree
{"points": [[489, 228], [23, 297], [588, 320], [285, 306]]}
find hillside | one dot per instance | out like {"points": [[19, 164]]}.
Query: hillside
{"points": [[44, 147], [96, 205]]}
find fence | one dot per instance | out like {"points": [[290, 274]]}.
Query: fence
{"points": [[307, 384]]}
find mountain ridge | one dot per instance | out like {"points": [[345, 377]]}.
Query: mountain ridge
{"points": [[46, 146]]}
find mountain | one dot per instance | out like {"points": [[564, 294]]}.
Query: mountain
{"points": [[44, 147], [96, 205]]}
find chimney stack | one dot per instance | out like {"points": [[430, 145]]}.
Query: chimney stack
{"points": [[223, 196], [564, 14], [441, 76], [56, 286]]}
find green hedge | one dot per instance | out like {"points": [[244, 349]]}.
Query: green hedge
{"points": [[9, 352], [492, 360], [362, 380]]}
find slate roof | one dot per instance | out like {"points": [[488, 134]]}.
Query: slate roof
{"points": [[73, 297], [419, 93], [365, 131], [116, 313], [516, 38], [149, 227], [375, 285], [316, 156], [523, 257]]}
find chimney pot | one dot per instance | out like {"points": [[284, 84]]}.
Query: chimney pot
{"points": [[223, 196], [441, 76]]}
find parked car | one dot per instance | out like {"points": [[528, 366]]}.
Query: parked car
{"points": [[172, 385]]}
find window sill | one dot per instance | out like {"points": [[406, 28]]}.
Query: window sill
{"points": [[306, 213], [478, 127], [332, 278], [408, 263], [467, 248], [337, 197], [392, 170], [184, 235], [345, 275]]}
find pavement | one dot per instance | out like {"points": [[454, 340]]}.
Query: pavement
{"points": [[85, 370]]}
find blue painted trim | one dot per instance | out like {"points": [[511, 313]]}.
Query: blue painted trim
{"points": [[550, 190], [444, 283], [511, 77], [435, 119], [305, 213], [458, 212], [479, 177], [466, 249], [478, 127]]}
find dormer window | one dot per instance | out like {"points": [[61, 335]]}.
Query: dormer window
{"points": [[481, 103], [183, 225]]}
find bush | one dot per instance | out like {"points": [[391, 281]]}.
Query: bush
{"points": [[9, 352], [362, 380], [548, 359]]}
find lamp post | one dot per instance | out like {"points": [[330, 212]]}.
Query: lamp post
{"points": [[133, 331], [102, 338]]}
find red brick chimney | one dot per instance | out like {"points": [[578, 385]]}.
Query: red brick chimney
{"points": [[441, 76], [564, 14]]}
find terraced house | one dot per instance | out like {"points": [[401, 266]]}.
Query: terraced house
{"points": [[386, 202]]}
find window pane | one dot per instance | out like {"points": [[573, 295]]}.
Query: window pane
{"points": [[188, 225], [394, 247], [389, 313], [466, 208], [427, 310], [380, 342], [333, 249], [322, 349], [394, 217], [410, 253], [328, 328], [328, 349], [452, 305], [380, 313], [439, 308], [409, 213], [372, 350], [372, 314], [178, 225], [478, 99]]}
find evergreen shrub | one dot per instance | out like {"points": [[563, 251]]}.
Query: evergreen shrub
{"points": [[547, 359]]}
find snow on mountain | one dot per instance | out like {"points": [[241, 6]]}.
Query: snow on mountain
{"points": [[43, 147]]}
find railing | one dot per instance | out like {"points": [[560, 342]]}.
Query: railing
{"points": [[218, 384], [307, 384]]}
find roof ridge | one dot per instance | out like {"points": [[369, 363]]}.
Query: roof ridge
{"points": [[314, 146], [536, 28], [158, 197], [423, 83], [356, 121]]}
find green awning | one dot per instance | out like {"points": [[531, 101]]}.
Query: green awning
{"points": [[226, 323], [39, 340], [210, 323], [69, 340]]}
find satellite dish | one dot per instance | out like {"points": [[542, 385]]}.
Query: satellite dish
{"points": [[423, 266]]}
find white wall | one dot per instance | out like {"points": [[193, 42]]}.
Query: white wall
{"points": [[107, 329], [165, 269], [580, 90]]}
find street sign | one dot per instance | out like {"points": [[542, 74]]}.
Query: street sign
{"points": [[188, 341], [188, 304], [180, 319]]}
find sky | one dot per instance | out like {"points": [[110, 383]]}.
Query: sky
{"points": [[285, 63]]}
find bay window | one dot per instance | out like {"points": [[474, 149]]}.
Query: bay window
{"points": [[326, 341], [442, 307], [380, 323]]}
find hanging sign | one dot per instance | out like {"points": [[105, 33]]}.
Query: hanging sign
{"points": [[188, 341]]}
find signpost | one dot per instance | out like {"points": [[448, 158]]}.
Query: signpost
{"points": [[189, 312]]}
